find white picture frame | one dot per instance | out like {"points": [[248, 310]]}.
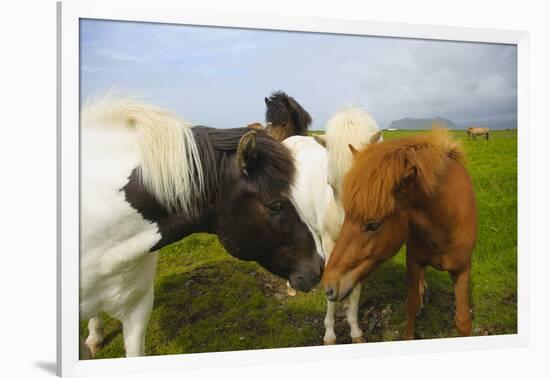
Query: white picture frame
{"points": [[69, 13]]}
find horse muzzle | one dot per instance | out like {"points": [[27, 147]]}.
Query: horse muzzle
{"points": [[305, 281]]}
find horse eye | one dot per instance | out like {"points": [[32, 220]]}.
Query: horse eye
{"points": [[275, 206], [371, 227]]}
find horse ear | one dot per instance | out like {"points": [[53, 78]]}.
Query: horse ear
{"points": [[321, 139], [375, 137], [353, 150], [408, 177], [247, 152], [266, 101]]}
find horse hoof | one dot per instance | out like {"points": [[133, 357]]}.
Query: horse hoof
{"points": [[408, 337], [358, 340], [329, 342], [291, 292]]}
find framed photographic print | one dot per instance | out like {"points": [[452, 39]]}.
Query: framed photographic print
{"points": [[280, 189]]}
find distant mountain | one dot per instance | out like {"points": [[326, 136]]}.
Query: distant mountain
{"points": [[409, 123]]}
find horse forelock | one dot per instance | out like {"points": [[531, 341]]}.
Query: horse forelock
{"points": [[276, 113], [273, 172], [282, 108], [369, 186]]}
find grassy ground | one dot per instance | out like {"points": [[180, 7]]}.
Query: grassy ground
{"points": [[207, 301]]}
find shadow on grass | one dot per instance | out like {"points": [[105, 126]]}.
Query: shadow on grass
{"points": [[226, 306]]}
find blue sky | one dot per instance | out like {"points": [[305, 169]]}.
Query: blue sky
{"points": [[220, 76]]}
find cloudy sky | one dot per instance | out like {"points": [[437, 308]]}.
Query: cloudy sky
{"points": [[220, 76]]}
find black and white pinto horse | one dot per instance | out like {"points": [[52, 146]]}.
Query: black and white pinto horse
{"points": [[149, 179]]}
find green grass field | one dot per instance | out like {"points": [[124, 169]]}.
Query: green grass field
{"points": [[206, 300]]}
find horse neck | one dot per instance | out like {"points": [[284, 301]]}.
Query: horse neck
{"points": [[294, 129], [171, 226], [208, 216], [450, 208], [425, 220]]}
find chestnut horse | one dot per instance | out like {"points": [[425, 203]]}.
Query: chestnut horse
{"points": [[416, 191]]}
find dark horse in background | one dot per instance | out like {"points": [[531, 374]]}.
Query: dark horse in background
{"points": [[285, 117], [150, 179]]}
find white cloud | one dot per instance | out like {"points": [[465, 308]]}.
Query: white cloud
{"points": [[220, 76]]}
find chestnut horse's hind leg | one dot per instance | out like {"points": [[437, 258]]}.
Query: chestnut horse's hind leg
{"points": [[463, 318], [94, 341], [413, 295]]}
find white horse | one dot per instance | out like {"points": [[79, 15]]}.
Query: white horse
{"points": [[149, 179], [316, 191], [348, 129]]}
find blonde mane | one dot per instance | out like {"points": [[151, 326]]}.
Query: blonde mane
{"points": [[369, 186], [170, 164], [350, 125]]}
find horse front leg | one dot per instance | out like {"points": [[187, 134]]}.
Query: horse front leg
{"points": [[135, 324], [327, 239], [94, 341], [351, 314], [330, 336], [413, 295], [463, 318]]}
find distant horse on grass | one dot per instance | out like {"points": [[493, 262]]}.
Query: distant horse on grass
{"points": [[416, 191], [150, 179], [285, 117], [315, 199], [474, 132]]}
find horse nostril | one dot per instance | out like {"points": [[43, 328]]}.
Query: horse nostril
{"points": [[329, 291]]}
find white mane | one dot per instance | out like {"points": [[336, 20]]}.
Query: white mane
{"points": [[170, 164], [348, 126]]}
